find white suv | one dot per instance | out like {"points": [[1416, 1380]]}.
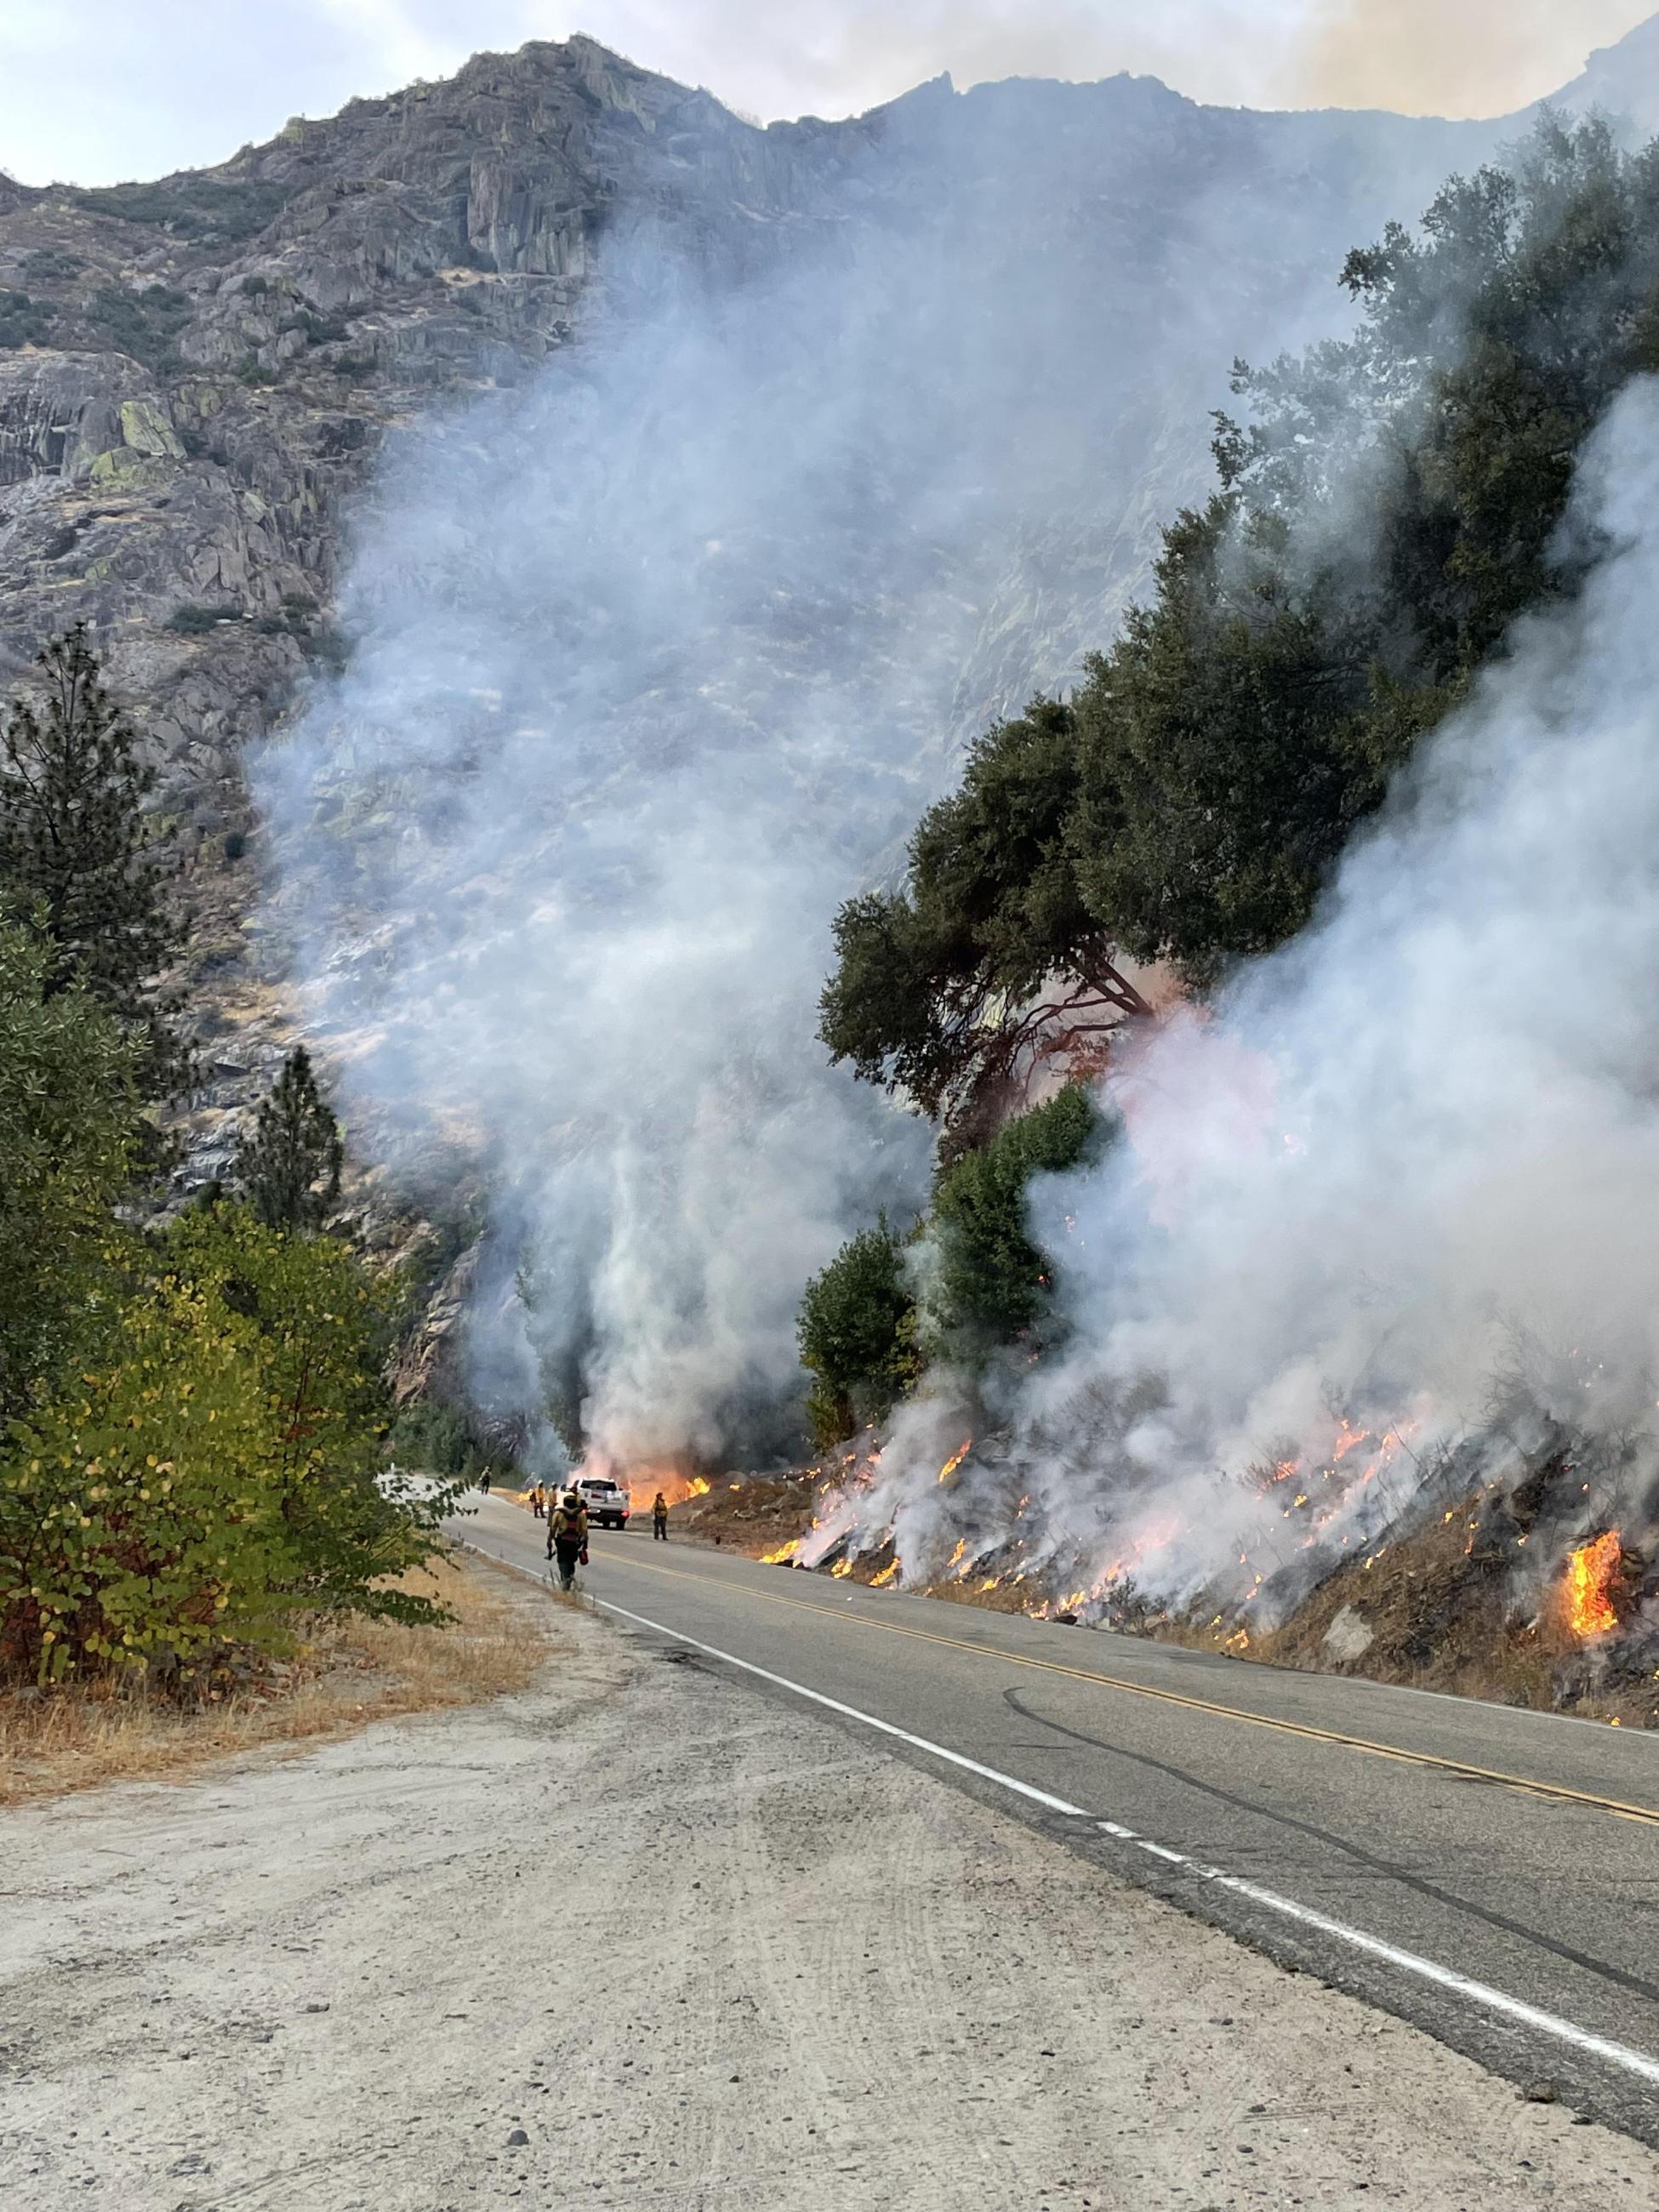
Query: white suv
{"points": [[606, 1501]]}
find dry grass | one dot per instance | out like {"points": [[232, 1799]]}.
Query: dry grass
{"points": [[343, 1677], [1437, 1622], [752, 1514]]}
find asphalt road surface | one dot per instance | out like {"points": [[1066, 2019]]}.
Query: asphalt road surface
{"points": [[1488, 1875]]}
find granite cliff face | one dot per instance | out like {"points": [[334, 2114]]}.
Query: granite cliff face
{"points": [[197, 376]]}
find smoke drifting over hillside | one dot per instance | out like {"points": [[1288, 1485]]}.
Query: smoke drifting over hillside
{"points": [[1414, 1152], [658, 659]]}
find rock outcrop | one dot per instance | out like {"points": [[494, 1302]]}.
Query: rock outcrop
{"points": [[195, 376]]}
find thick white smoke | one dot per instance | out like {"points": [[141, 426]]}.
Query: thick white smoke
{"points": [[1417, 1146], [659, 659]]}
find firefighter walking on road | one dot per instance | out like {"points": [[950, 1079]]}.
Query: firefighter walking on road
{"points": [[659, 1519], [567, 1537]]}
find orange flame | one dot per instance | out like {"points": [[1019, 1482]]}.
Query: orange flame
{"points": [[881, 1581], [1590, 1572], [842, 1567], [955, 1460], [643, 1483], [783, 1552]]}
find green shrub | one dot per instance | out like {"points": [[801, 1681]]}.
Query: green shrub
{"points": [[47, 265], [215, 1471], [993, 1284], [135, 1523], [328, 645], [143, 325], [199, 208], [434, 1439], [194, 621], [857, 1332], [24, 321]]}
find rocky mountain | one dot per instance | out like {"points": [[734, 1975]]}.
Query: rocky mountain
{"points": [[197, 375], [1620, 81]]}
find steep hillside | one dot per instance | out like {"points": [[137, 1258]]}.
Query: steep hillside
{"points": [[196, 376]]}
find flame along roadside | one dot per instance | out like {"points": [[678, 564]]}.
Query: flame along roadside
{"points": [[1559, 1792]]}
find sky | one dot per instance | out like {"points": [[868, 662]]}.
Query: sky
{"points": [[130, 92]]}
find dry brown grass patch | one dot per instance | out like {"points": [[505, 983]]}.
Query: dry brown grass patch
{"points": [[344, 1675]]}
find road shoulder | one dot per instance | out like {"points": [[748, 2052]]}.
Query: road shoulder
{"points": [[802, 1973]]}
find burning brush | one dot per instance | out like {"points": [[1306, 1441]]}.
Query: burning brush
{"points": [[1594, 1574]]}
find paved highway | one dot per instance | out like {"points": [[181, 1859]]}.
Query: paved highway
{"points": [[1490, 1876]]}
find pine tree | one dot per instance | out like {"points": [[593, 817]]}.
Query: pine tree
{"points": [[288, 1169], [75, 849]]}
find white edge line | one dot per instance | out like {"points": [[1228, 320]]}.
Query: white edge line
{"points": [[852, 1713], [1480, 1993]]}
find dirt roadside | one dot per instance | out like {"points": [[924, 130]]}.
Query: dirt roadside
{"points": [[801, 1977]]}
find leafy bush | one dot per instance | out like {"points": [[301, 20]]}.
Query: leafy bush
{"points": [[134, 1524], [24, 321], [193, 621], [142, 324], [199, 208], [215, 1471], [857, 1332], [993, 1284], [46, 264], [434, 1439]]}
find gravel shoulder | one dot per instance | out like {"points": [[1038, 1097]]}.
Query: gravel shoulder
{"points": [[792, 1974]]}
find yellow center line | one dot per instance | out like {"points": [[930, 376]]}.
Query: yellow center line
{"points": [[1557, 1791]]}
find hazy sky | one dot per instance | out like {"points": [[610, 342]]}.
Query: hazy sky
{"points": [[115, 91]]}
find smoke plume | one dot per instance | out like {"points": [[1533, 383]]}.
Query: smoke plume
{"points": [[659, 657], [1413, 1149]]}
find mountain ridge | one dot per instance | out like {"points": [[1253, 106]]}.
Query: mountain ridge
{"points": [[196, 374]]}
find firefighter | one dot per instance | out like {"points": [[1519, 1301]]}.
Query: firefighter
{"points": [[483, 1482], [567, 1536], [538, 1501], [659, 1519]]}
